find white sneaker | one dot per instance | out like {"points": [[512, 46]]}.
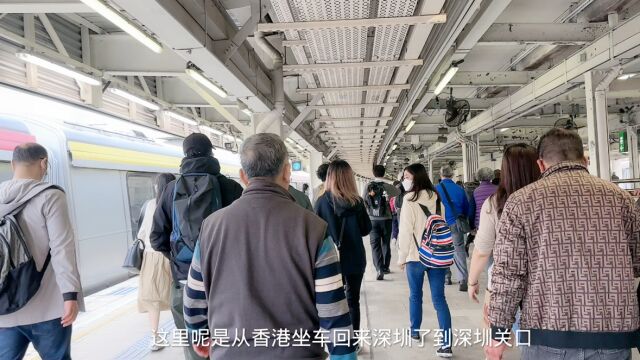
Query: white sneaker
{"points": [[153, 345]]}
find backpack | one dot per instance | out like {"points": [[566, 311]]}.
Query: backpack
{"points": [[436, 246], [377, 202], [19, 275], [195, 197]]}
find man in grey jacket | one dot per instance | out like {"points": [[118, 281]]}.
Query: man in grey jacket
{"points": [[380, 236], [45, 321]]}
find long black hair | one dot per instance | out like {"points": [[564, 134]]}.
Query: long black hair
{"points": [[421, 181], [161, 182]]}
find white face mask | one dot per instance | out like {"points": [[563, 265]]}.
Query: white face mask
{"points": [[407, 184]]}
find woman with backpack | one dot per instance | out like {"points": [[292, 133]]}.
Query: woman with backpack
{"points": [[519, 169], [413, 218], [154, 290], [343, 210]]}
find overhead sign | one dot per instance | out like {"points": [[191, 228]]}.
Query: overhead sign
{"points": [[296, 165]]}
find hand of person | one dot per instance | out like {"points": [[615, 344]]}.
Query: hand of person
{"points": [[472, 290], [201, 349], [495, 350], [70, 312], [402, 266]]}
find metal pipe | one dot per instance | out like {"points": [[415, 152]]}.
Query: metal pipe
{"points": [[277, 76]]}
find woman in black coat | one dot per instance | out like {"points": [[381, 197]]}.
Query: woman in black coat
{"points": [[343, 209]]}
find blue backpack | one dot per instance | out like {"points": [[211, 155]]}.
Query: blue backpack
{"points": [[436, 246], [195, 197]]}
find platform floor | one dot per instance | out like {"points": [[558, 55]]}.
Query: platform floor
{"points": [[112, 328]]}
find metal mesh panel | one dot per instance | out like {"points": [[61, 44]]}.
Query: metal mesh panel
{"points": [[12, 70], [13, 23]]}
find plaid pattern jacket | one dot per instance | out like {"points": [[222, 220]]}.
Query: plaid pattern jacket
{"points": [[567, 252]]}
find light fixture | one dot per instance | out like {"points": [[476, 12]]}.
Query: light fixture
{"points": [[211, 130], [395, 146], [197, 75], [60, 69], [247, 112], [290, 141], [123, 23], [504, 129], [626, 76], [409, 125], [447, 77], [136, 99], [442, 139], [180, 117]]}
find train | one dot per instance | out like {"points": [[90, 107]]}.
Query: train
{"points": [[105, 164]]}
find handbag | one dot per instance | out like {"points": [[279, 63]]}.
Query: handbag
{"points": [[462, 221], [133, 260]]}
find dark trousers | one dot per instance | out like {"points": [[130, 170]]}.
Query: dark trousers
{"points": [[177, 310], [352, 284], [380, 239], [49, 338]]}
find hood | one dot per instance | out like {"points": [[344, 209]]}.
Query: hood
{"points": [[202, 164], [343, 208], [14, 191]]}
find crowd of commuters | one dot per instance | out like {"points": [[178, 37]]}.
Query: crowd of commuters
{"points": [[561, 248]]}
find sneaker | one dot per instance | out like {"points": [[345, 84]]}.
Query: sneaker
{"points": [[380, 275], [448, 281], [414, 336], [463, 287], [386, 271], [444, 352], [153, 345]]}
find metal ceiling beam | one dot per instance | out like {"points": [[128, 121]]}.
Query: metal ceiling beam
{"points": [[551, 33], [44, 6], [349, 23], [298, 68], [330, 119], [351, 106], [290, 43], [353, 89], [305, 112], [492, 78], [353, 128]]}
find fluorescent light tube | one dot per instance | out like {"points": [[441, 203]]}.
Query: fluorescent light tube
{"points": [[247, 112], [505, 129], [179, 117], [445, 79], [198, 76], [409, 125], [138, 100], [626, 76], [60, 69], [211, 130], [123, 23], [395, 146]]}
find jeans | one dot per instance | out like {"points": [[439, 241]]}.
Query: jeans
{"points": [[49, 338], [536, 352], [415, 275], [460, 255], [380, 239], [177, 310], [352, 284]]}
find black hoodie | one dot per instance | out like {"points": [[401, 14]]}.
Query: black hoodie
{"points": [[162, 224], [357, 224]]}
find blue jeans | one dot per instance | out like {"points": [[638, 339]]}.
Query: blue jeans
{"points": [[415, 275], [49, 338]]}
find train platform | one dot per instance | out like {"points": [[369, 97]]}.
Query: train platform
{"points": [[113, 329]]}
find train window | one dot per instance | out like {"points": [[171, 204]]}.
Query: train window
{"points": [[5, 171], [140, 189]]}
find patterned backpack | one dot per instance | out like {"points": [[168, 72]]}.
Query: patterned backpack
{"points": [[436, 248]]}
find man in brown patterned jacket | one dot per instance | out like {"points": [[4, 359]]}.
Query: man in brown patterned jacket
{"points": [[567, 252]]}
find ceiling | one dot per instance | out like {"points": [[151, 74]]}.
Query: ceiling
{"points": [[356, 73]]}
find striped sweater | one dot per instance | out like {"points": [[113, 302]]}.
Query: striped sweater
{"points": [[331, 303]]}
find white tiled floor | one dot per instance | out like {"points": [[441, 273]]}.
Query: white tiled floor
{"points": [[112, 328]]}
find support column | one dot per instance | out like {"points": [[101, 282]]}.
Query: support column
{"points": [[266, 123], [315, 160], [431, 169], [632, 139], [597, 122], [469, 159]]}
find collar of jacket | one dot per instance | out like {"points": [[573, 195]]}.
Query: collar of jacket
{"points": [[201, 164], [564, 166], [262, 186]]}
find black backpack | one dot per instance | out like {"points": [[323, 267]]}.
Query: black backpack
{"points": [[377, 202], [19, 275], [195, 196]]}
